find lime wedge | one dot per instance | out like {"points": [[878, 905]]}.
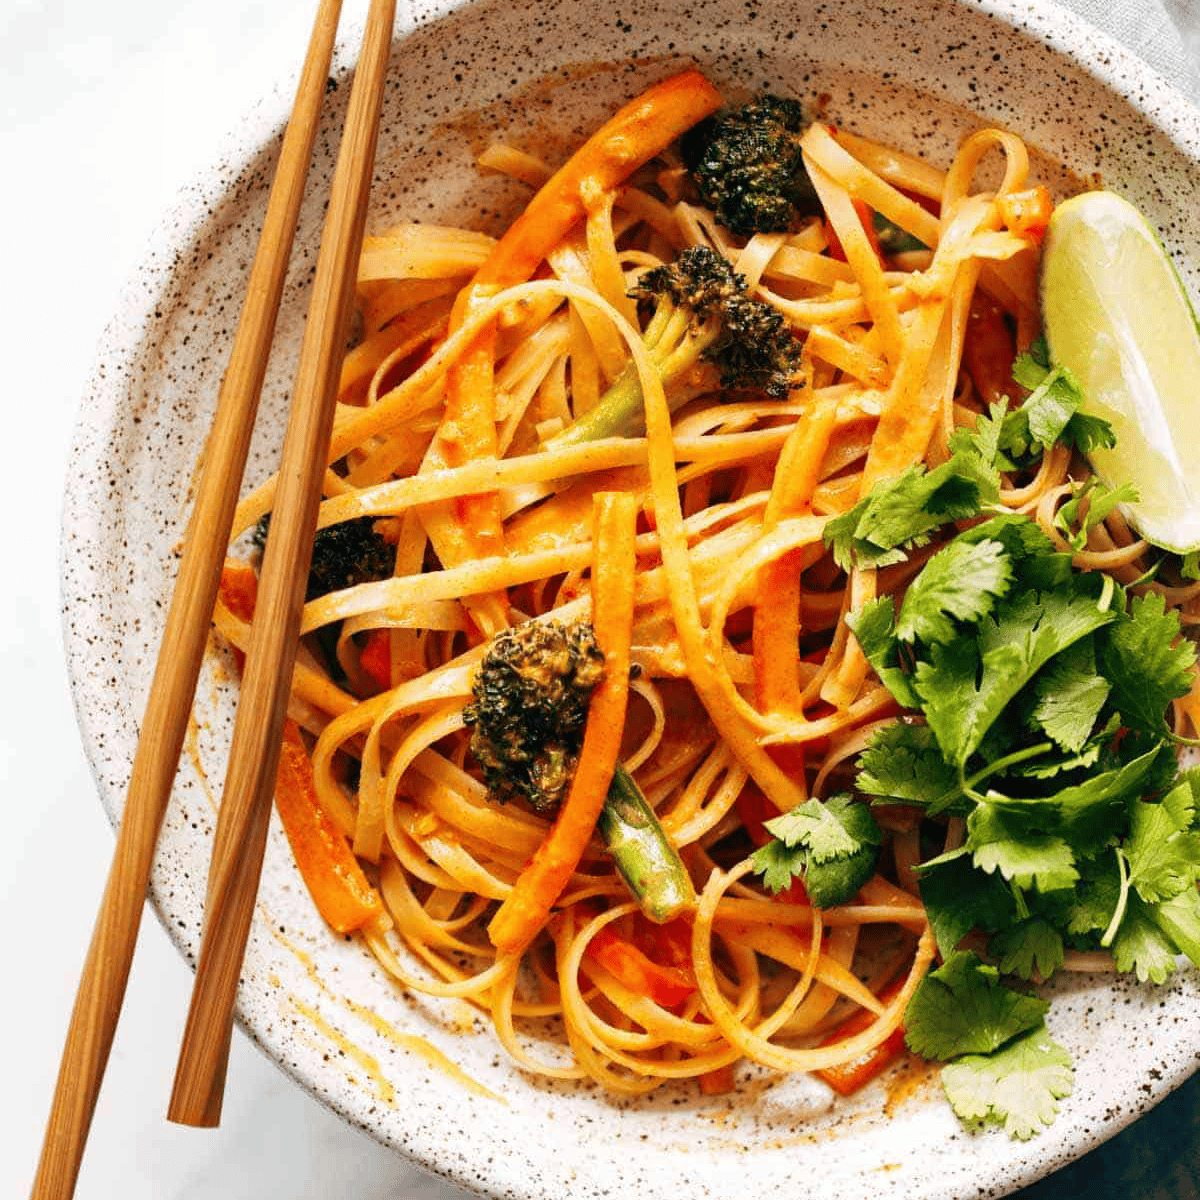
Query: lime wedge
{"points": [[1117, 316]]}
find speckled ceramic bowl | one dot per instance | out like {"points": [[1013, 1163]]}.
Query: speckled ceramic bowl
{"points": [[918, 73]]}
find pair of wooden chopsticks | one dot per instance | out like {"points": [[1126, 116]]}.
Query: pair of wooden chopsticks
{"points": [[249, 784]]}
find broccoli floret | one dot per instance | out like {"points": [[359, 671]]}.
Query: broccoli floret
{"points": [[343, 556], [702, 314], [531, 695], [748, 168], [748, 340], [532, 691]]}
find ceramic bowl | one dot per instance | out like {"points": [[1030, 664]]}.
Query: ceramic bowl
{"points": [[918, 74]]}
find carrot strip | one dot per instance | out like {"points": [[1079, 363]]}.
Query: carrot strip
{"points": [[665, 985], [988, 352], [629, 139], [375, 658], [776, 634], [238, 588], [1026, 213], [330, 871], [539, 885], [846, 1078]]}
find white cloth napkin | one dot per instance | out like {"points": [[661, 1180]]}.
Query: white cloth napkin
{"points": [[1166, 33]]}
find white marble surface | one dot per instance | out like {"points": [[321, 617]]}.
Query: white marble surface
{"points": [[107, 109]]}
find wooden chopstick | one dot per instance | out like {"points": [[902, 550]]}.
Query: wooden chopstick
{"points": [[110, 953], [266, 681]]}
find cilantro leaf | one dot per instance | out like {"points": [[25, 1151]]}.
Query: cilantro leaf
{"points": [[1019, 1085], [1002, 841], [836, 882], [963, 580], [1051, 404], [1164, 858], [1138, 657], [827, 829], [966, 683], [873, 626], [1087, 432], [1087, 813], [1052, 412], [902, 763], [1094, 898], [1037, 564], [963, 1008], [958, 898], [779, 865], [1021, 537], [984, 439], [1101, 501], [833, 845], [1048, 768], [1030, 368], [1179, 919], [904, 512], [1070, 696], [1141, 946], [1029, 947]]}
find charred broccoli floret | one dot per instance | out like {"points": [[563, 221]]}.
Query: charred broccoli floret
{"points": [[343, 555], [748, 168], [532, 692], [703, 313], [531, 695], [748, 340]]}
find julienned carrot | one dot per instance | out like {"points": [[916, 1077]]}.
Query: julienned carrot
{"points": [[988, 352], [239, 588], [539, 885], [627, 962], [632, 137], [1026, 213], [847, 1078], [331, 872], [776, 631], [375, 658], [775, 635]]}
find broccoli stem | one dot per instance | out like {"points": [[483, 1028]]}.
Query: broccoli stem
{"points": [[620, 411], [648, 862], [617, 414]]}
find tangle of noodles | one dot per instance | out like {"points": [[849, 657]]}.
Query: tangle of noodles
{"points": [[732, 492]]}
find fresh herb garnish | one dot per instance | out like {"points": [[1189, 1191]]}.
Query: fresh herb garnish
{"points": [[831, 845], [1051, 413], [1043, 692], [1001, 1064], [1038, 696]]}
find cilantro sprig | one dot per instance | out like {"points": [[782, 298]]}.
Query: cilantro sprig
{"points": [[831, 846], [1035, 699], [1039, 696], [1001, 1064]]}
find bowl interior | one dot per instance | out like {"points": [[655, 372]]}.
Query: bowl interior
{"points": [[427, 1076]]}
